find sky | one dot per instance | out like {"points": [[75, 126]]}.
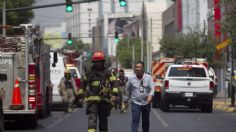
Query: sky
{"points": [[49, 17]]}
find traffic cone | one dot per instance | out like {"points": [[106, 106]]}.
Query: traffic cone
{"points": [[16, 97]]}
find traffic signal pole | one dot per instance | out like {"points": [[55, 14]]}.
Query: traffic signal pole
{"points": [[47, 6], [4, 10]]}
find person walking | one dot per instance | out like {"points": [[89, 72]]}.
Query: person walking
{"points": [[99, 87], [122, 80], [67, 89], [140, 89]]}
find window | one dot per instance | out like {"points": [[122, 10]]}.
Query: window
{"points": [[73, 73], [187, 72]]}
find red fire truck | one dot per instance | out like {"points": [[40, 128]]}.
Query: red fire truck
{"points": [[158, 72], [25, 60]]}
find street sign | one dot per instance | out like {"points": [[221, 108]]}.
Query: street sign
{"points": [[223, 44]]}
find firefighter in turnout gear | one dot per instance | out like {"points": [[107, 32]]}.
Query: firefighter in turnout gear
{"points": [[67, 89], [99, 87], [122, 80]]}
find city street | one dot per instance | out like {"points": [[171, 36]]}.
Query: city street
{"points": [[57, 54], [178, 120]]}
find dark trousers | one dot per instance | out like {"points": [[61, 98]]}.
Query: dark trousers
{"points": [[137, 110], [100, 110]]}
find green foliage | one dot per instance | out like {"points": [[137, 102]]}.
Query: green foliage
{"points": [[18, 17], [229, 25], [124, 51], [78, 46], [192, 45]]}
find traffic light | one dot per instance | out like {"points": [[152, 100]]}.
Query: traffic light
{"points": [[69, 40], [116, 37], [69, 7], [122, 3]]}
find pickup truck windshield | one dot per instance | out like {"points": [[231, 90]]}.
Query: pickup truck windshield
{"points": [[73, 73], [187, 72]]}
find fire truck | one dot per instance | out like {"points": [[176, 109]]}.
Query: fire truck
{"points": [[158, 72], [25, 61]]}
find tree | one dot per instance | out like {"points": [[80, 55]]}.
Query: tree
{"points": [[229, 25], [78, 46], [19, 17], [124, 51], [192, 45]]}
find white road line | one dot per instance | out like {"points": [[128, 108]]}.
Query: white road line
{"points": [[61, 119], [56, 122], [163, 122]]}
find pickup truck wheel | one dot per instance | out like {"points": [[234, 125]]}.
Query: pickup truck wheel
{"points": [[207, 108]]}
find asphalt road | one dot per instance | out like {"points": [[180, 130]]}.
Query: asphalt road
{"points": [[178, 120]]}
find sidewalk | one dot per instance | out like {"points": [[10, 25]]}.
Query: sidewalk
{"points": [[222, 102]]}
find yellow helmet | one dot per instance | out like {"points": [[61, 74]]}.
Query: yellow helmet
{"points": [[67, 71]]}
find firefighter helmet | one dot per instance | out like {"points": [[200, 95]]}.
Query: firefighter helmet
{"points": [[67, 71], [97, 56]]}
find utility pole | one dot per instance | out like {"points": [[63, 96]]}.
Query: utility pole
{"points": [[142, 41], [232, 75], [149, 48], [4, 18], [133, 56]]}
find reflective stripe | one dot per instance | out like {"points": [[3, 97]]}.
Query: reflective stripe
{"points": [[95, 83], [93, 98], [91, 130], [81, 91], [85, 78], [112, 78], [115, 90]]}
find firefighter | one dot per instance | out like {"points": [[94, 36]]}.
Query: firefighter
{"points": [[67, 89], [122, 80], [99, 86]]}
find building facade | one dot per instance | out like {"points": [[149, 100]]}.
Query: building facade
{"points": [[194, 15], [86, 16]]}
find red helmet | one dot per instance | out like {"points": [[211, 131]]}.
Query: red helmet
{"points": [[98, 55]]}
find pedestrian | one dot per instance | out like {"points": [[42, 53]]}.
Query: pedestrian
{"points": [[122, 80], [99, 86], [140, 89], [67, 89]]}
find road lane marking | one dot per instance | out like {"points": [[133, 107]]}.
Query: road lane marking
{"points": [[61, 119], [56, 122], [163, 122]]}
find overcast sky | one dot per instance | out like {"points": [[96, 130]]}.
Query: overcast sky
{"points": [[49, 17]]}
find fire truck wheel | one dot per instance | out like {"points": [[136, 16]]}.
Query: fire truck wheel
{"points": [[165, 105], [156, 100]]}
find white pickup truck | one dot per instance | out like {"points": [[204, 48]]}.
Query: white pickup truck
{"points": [[188, 85]]}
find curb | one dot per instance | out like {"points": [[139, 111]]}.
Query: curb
{"points": [[225, 107]]}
